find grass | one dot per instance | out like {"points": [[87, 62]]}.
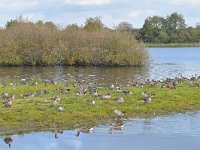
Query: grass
{"points": [[173, 45], [35, 114]]}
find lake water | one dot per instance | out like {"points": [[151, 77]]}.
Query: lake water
{"points": [[166, 62], [176, 132]]}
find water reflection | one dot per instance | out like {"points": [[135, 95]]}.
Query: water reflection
{"points": [[181, 131], [166, 62], [8, 140]]}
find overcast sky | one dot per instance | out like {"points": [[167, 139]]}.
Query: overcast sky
{"points": [[64, 12]]}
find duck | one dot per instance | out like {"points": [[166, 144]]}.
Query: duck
{"points": [[119, 100]]}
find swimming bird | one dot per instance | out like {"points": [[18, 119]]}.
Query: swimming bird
{"points": [[116, 126], [84, 130]]}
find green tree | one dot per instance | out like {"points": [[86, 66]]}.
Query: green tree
{"points": [[175, 25], [73, 26], [152, 29], [11, 23]]}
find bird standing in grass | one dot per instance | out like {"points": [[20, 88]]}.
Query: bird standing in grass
{"points": [[7, 103], [119, 100]]}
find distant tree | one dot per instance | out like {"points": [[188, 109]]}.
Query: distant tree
{"points": [[11, 23], [125, 26], [152, 29], [50, 24], [198, 25], [73, 27], [93, 24], [175, 24], [39, 22]]}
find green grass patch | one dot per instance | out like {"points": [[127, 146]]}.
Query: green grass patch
{"points": [[35, 113]]}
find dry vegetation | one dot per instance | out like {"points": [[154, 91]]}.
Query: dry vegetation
{"points": [[35, 44]]}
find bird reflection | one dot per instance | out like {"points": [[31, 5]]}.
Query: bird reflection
{"points": [[115, 125], [56, 132], [8, 140]]}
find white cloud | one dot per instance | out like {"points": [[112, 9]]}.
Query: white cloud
{"points": [[87, 2], [135, 13], [139, 13], [186, 2], [17, 5]]}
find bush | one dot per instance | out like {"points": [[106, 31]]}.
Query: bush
{"points": [[41, 44]]}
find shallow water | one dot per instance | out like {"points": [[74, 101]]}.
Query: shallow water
{"points": [[181, 131], [166, 62]]}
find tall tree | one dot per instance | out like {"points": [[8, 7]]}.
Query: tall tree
{"points": [[152, 29], [175, 24]]}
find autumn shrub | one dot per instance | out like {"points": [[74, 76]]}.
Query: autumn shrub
{"points": [[39, 44]]}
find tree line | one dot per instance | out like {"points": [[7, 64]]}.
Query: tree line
{"points": [[169, 29]]}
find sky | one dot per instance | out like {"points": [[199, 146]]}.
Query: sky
{"points": [[112, 12]]}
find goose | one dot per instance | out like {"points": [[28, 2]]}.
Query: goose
{"points": [[194, 84], [119, 100], [118, 113], [84, 130], [60, 109], [29, 95], [116, 126], [146, 100], [90, 102], [105, 96], [4, 95], [7, 103]]}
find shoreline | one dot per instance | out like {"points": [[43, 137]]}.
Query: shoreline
{"points": [[172, 45]]}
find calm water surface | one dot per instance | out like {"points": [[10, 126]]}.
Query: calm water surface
{"points": [[177, 132], [166, 62]]}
